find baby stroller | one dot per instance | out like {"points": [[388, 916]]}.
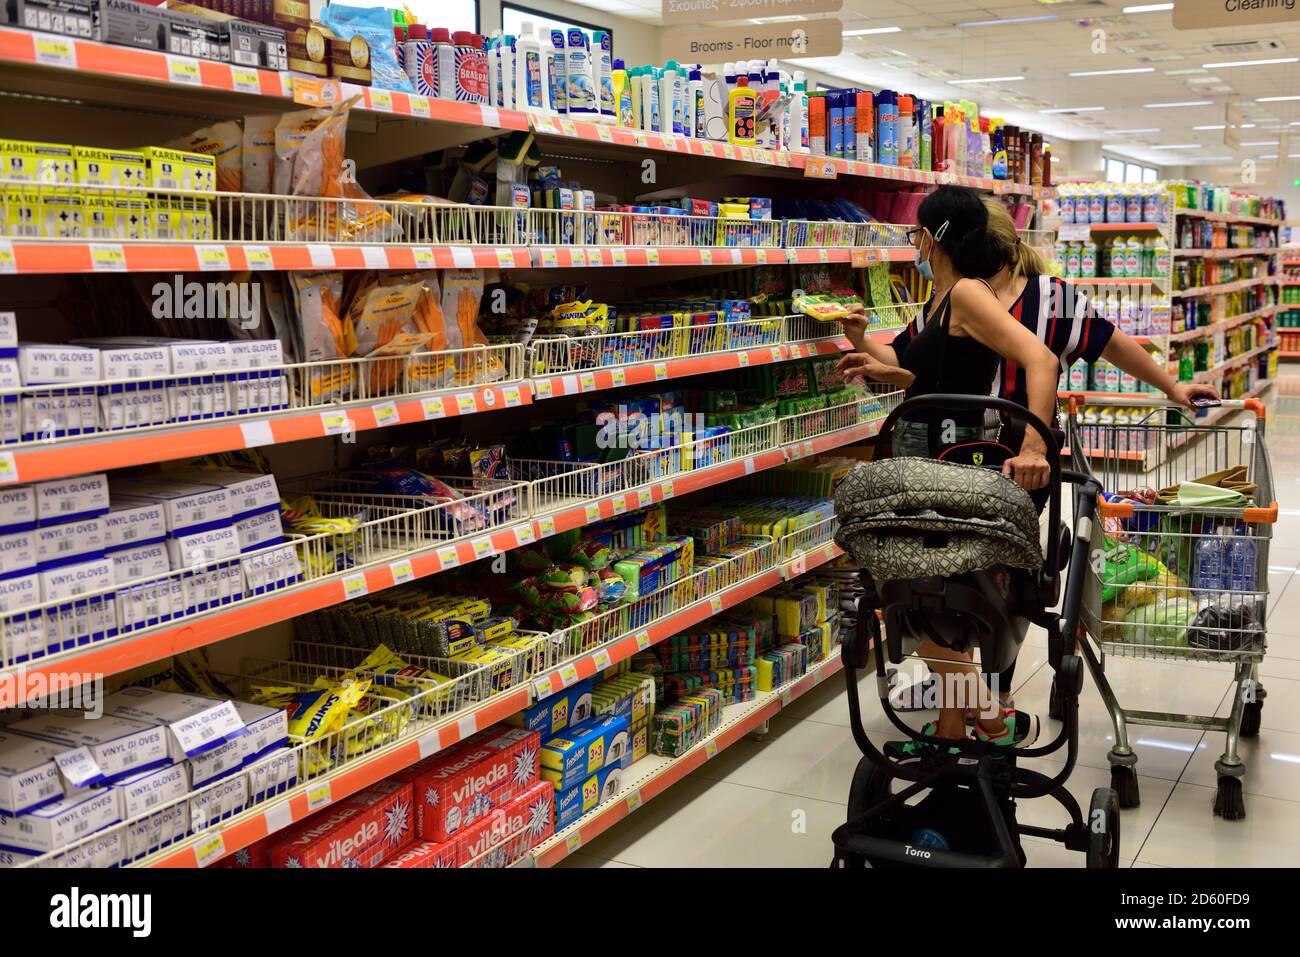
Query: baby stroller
{"points": [[951, 551]]}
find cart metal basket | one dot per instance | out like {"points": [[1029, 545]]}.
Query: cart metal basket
{"points": [[1179, 565]]}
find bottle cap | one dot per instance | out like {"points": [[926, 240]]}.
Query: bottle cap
{"points": [[464, 38], [440, 35], [416, 31], [399, 32], [618, 65]]}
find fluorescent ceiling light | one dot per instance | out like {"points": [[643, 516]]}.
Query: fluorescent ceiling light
{"points": [[1177, 146], [1221, 126], [1143, 129], [1136, 69], [1165, 106], [775, 19], [868, 31], [1261, 143], [1149, 8], [1219, 66], [986, 79], [1275, 99], [1216, 159], [1074, 109], [1006, 21]]}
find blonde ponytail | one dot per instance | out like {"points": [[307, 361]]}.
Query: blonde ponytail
{"points": [[1021, 259]]}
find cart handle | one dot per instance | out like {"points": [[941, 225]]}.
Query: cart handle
{"points": [[1077, 402], [1251, 516]]}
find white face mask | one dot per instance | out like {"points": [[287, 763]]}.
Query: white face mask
{"points": [[923, 265]]}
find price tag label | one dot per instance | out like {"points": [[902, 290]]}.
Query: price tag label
{"points": [[862, 258], [573, 842], [706, 257], [8, 468], [824, 255], [715, 604], [710, 749], [605, 133], [619, 255], [661, 371], [634, 800], [8, 264], [336, 423], [747, 154], [381, 99], [245, 80], [707, 146], [778, 353], [669, 142], [542, 388], [258, 257], [601, 659], [448, 556], [354, 586], [798, 566], [568, 127], [419, 106], [569, 675], [402, 571], [315, 91], [593, 513], [482, 547], [546, 526], [644, 497], [578, 256], [524, 533], [550, 259], [642, 640], [667, 490], [587, 381], [786, 697], [760, 255], [652, 256], [433, 408], [210, 849], [620, 505], [107, 257], [1074, 232], [819, 168], [640, 139], [808, 448], [618, 377], [56, 51], [743, 360], [319, 795], [749, 466], [183, 69], [543, 688], [213, 259], [542, 123], [466, 403], [510, 394], [386, 414], [505, 258], [423, 257]]}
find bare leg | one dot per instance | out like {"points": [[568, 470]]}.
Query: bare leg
{"points": [[960, 676]]}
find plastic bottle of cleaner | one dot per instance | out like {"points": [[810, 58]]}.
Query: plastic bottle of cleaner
{"points": [[622, 94], [729, 76], [582, 91], [798, 113], [650, 100], [695, 103], [415, 58], [531, 87], [771, 99], [440, 78], [602, 54], [669, 104], [1161, 260], [634, 87], [742, 106], [509, 96], [558, 72], [471, 69], [925, 123]]}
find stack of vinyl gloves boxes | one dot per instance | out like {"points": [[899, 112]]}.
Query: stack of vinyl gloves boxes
{"points": [[104, 549], [64, 777], [102, 385]]}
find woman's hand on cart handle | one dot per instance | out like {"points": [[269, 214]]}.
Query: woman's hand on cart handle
{"points": [[1184, 392]]}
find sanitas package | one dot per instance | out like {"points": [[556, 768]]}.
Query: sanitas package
{"points": [[573, 802], [362, 831], [552, 715], [584, 749]]}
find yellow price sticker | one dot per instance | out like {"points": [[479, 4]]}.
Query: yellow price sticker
{"points": [[605, 133], [706, 257], [524, 533], [210, 849], [8, 468], [381, 99], [466, 402], [824, 255], [619, 256], [786, 697], [652, 256], [482, 547], [569, 675], [587, 381], [546, 526], [433, 408], [661, 371], [419, 106], [640, 139], [573, 842], [642, 640], [667, 490], [715, 604], [669, 142], [760, 255], [710, 749], [258, 257], [319, 795], [402, 571], [777, 354], [743, 360], [593, 513], [568, 127], [618, 377], [386, 414], [550, 258], [506, 258], [55, 51], [182, 69], [423, 257], [512, 396], [634, 800], [214, 259], [644, 497], [354, 586], [448, 556], [708, 148], [543, 388], [245, 80], [335, 423], [107, 257], [620, 505], [602, 659]]}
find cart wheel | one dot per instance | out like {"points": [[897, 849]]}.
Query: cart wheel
{"points": [[870, 786], [1229, 803], [1103, 829], [1054, 703], [1250, 719], [1124, 782]]}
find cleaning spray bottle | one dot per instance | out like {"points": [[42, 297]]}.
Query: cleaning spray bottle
{"points": [[695, 103], [558, 73], [650, 105], [622, 95], [602, 53], [582, 91], [799, 116], [531, 88]]}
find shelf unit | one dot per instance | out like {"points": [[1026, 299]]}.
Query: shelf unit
{"points": [[76, 76]]}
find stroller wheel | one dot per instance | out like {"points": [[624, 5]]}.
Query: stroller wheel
{"points": [[870, 786], [1229, 803], [1251, 716], [1054, 703], [1103, 829], [1124, 782]]}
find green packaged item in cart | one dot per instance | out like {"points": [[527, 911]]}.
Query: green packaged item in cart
{"points": [[1124, 565]]}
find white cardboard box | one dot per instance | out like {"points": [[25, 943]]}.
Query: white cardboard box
{"points": [[118, 746], [195, 723]]}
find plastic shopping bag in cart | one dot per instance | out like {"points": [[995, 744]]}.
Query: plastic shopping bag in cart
{"points": [[1230, 622]]}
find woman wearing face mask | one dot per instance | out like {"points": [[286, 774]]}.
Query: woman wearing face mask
{"points": [[971, 335]]}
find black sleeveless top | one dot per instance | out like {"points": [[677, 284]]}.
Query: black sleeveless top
{"points": [[951, 364]]}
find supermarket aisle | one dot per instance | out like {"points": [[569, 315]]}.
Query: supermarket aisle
{"points": [[774, 802]]}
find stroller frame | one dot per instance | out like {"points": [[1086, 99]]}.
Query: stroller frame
{"points": [[989, 772]]}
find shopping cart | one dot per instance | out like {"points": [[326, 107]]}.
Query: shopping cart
{"points": [[1179, 567]]}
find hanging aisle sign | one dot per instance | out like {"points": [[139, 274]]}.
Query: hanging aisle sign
{"points": [[1200, 14], [750, 41], [695, 11]]}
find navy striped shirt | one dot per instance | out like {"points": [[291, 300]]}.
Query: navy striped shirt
{"points": [[1052, 309]]}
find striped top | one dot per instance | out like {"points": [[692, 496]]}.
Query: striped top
{"points": [[1052, 309]]}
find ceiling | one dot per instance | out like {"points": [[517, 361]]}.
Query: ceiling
{"points": [[930, 49]]}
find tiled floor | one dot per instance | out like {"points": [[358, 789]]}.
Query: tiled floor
{"points": [[773, 802]]}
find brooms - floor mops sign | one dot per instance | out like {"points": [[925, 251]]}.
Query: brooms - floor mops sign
{"points": [[1200, 14], [693, 11]]}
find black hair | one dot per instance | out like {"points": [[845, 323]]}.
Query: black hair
{"points": [[974, 253]]}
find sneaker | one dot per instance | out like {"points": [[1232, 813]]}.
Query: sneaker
{"points": [[911, 749], [1021, 730], [913, 697]]}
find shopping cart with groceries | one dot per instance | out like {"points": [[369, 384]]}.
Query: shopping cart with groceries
{"points": [[1179, 568]]}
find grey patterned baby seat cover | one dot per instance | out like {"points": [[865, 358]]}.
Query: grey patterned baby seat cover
{"points": [[902, 518]]}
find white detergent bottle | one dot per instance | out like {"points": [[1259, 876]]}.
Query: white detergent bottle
{"points": [[799, 122], [695, 104], [557, 73], [531, 88], [650, 99], [602, 68], [582, 91], [493, 46], [508, 72], [671, 115]]}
